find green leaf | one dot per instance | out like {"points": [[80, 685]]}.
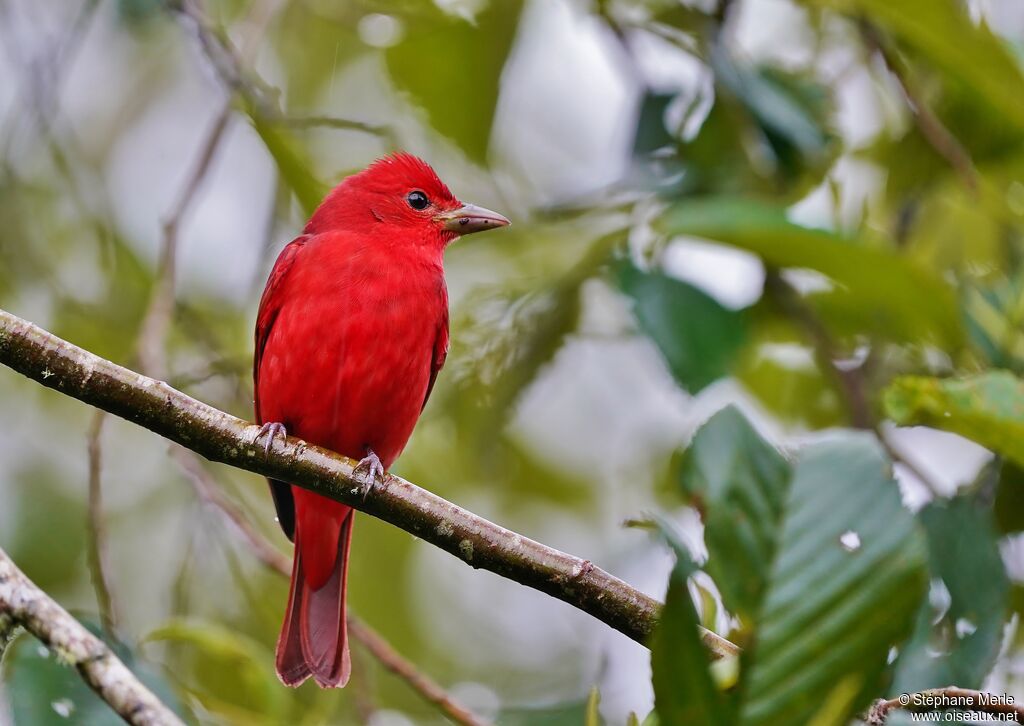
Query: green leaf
{"points": [[986, 408], [245, 663], [779, 368], [451, 67], [824, 563], [961, 644], [743, 480], [684, 691], [767, 131], [651, 134], [1009, 505], [993, 313], [697, 335], [790, 111], [293, 163], [941, 31], [831, 611], [877, 282]]}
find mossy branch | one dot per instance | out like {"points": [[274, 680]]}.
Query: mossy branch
{"points": [[221, 437]]}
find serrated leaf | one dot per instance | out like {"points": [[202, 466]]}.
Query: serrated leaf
{"points": [[697, 336], [959, 645], [879, 283], [986, 408]]}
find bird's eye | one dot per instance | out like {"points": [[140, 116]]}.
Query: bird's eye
{"points": [[418, 200]]}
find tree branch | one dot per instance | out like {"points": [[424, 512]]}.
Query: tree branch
{"points": [[22, 602], [394, 662], [850, 382], [950, 698], [153, 354], [218, 436], [928, 123], [262, 98], [97, 540]]}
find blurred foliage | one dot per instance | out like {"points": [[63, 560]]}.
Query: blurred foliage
{"points": [[697, 335], [45, 691], [965, 630], [864, 157], [987, 408]]}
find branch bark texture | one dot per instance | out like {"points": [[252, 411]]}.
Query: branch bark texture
{"points": [[221, 437], [23, 603]]}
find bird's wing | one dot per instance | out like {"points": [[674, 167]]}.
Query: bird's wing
{"points": [[440, 351], [270, 306]]}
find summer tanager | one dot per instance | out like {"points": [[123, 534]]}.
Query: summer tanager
{"points": [[351, 333]]}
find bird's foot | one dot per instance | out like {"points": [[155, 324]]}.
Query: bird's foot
{"points": [[271, 430], [371, 471]]}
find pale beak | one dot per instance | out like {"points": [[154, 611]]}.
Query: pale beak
{"points": [[471, 218]]}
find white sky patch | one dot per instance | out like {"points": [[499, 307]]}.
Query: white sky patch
{"points": [[565, 118], [379, 30], [733, 277], [791, 356]]}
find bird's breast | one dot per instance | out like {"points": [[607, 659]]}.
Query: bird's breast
{"points": [[348, 361]]}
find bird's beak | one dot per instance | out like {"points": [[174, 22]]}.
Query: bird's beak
{"points": [[471, 218]]}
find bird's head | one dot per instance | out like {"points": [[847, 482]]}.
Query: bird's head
{"points": [[401, 195]]}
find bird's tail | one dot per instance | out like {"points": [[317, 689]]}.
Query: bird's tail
{"points": [[314, 639]]}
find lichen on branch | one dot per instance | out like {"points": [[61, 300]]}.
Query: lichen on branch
{"points": [[221, 437]]}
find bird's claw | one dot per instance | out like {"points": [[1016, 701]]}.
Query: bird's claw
{"points": [[271, 430], [371, 471]]}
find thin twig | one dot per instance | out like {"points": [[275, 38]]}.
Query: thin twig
{"points": [[157, 320], [221, 437], [335, 122], [928, 123], [850, 382], [24, 603], [395, 663], [950, 698], [97, 540], [362, 686], [262, 98]]}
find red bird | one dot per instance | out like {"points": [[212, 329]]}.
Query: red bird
{"points": [[351, 333]]}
